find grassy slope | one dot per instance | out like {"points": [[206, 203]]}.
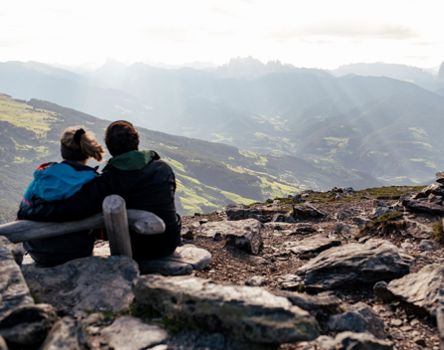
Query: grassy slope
{"points": [[209, 175]]}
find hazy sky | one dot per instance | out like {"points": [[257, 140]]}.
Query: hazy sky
{"points": [[312, 33]]}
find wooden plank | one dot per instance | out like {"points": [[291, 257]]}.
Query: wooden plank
{"points": [[116, 225], [139, 221]]}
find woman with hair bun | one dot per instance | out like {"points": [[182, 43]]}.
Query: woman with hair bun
{"points": [[58, 181]]}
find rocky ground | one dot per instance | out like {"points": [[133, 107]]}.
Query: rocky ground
{"points": [[342, 269]]}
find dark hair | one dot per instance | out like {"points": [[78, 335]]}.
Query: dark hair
{"points": [[121, 137], [76, 144]]}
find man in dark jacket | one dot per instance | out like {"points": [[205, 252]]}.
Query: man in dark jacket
{"points": [[140, 177]]}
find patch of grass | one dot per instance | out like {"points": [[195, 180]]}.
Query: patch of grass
{"points": [[438, 232]]}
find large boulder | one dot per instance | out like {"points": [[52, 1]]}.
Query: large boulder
{"points": [[183, 261], [354, 264], [28, 325], [88, 284], [129, 333], [14, 292], [307, 212], [244, 234], [250, 313], [420, 290], [67, 333], [358, 318]]}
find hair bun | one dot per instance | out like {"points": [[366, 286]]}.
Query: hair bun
{"points": [[78, 135]]}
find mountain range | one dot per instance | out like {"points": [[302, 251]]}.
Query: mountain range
{"points": [[238, 124]]}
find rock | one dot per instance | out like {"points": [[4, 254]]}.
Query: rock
{"points": [[427, 245], [381, 292], [256, 281], [16, 249], [287, 218], [28, 325], [421, 289], [14, 292], [313, 245], [427, 191], [290, 282], [307, 212], [92, 284], [67, 333], [244, 234], [354, 341], [129, 333], [358, 318], [354, 264], [250, 313], [423, 207], [344, 214], [183, 261], [262, 213], [440, 178], [319, 305]]}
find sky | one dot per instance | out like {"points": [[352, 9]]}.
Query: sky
{"points": [[305, 33]]}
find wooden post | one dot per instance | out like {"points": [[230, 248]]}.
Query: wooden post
{"points": [[116, 224]]}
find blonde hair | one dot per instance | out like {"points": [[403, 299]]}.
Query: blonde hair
{"points": [[78, 144]]}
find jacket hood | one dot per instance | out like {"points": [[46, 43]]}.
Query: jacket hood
{"points": [[133, 160]]}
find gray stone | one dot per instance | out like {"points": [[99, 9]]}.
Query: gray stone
{"points": [[256, 281], [16, 249], [14, 292], [354, 341], [290, 282], [67, 333], [423, 207], [307, 212], [313, 245], [27, 325], [244, 234], [129, 333], [427, 191], [92, 284], [420, 289], [263, 213], [354, 264], [250, 313], [427, 245], [358, 318], [183, 261], [440, 177], [321, 304]]}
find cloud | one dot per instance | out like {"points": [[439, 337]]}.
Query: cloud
{"points": [[351, 31]]}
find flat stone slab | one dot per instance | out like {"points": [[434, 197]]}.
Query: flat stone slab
{"points": [[423, 206], [249, 313], [354, 264], [420, 289], [244, 234], [313, 245], [263, 213], [14, 292], [130, 333], [183, 261], [92, 284]]}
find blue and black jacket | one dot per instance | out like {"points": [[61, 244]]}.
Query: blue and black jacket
{"points": [[52, 182]]}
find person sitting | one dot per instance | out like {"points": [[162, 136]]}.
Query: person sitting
{"points": [[140, 177], [58, 181]]}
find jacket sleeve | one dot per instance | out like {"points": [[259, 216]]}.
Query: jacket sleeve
{"points": [[86, 202]]}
